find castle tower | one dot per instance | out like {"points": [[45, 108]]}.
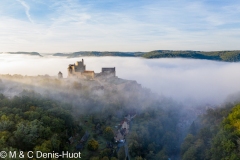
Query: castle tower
{"points": [[79, 66], [77, 69]]}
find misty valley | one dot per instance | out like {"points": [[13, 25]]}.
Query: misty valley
{"points": [[120, 79], [117, 108]]}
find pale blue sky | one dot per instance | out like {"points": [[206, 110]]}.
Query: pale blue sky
{"points": [[119, 25]]}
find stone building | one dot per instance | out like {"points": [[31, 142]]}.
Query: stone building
{"points": [[109, 71], [89, 74], [78, 70]]}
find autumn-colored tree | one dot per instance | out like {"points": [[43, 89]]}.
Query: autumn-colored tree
{"points": [[92, 145]]}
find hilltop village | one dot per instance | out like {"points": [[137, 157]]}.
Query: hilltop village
{"points": [[103, 106], [98, 114], [78, 70], [106, 78]]}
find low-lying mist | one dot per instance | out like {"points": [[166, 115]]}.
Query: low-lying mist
{"points": [[160, 124], [185, 80]]}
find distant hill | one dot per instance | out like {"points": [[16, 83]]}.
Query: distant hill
{"points": [[228, 56], [28, 53], [99, 54]]}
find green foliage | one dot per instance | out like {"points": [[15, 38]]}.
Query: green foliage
{"points": [[230, 56], [225, 143], [218, 137], [188, 142], [193, 129], [94, 158], [121, 154], [106, 152], [159, 137], [161, 155], [48, 124], [223, 147], [138, 158], [30, 122], [108, 133], [93, 145], [45, 147], [105, 158]]}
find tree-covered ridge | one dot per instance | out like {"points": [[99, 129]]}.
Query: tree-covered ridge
{"points": [[26, 53], [226, 144], [228, 56], [78, 115], [99, 54], [154, 134], [215, 136], [94, 111], [29, 122]]}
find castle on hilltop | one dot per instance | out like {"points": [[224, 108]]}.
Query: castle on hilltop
{"points": [[78, 70]]}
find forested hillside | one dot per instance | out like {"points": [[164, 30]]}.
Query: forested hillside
{"points": [[214, 135], [55, 115], [25, 53], [97, 53], [228, 56], [29, 122], [79, 116]]}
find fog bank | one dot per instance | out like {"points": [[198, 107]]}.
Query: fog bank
{"points": [[200, 81]]}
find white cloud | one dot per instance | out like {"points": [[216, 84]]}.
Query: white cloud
{"points": [[27, 9], [72, 26]]}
